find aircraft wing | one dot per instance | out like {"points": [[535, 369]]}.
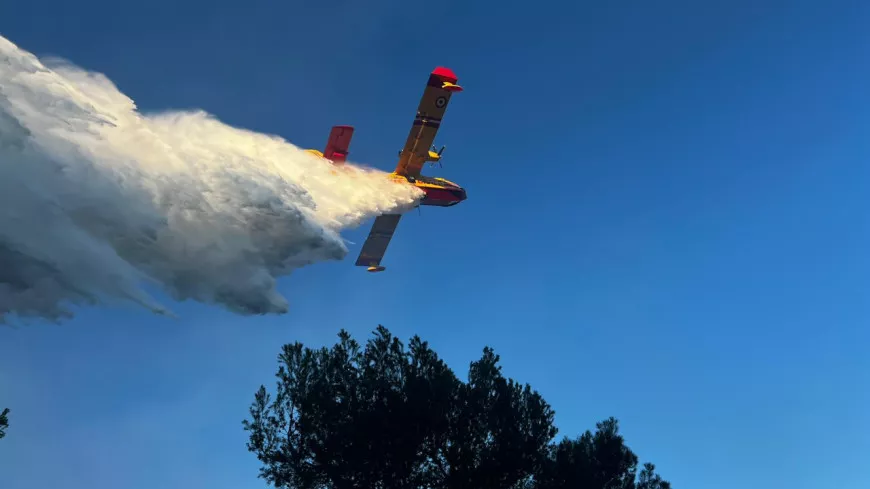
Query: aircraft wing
{"points": [[441, 85], [439, 88], [375, 247]]}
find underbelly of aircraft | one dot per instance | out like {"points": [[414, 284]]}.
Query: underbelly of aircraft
{"points": [[439, 192], [442, 197]]}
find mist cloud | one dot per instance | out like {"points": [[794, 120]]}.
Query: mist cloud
{"points": [[97, 199]]}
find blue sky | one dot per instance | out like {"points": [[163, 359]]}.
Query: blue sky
{"points": [[666, 223]]}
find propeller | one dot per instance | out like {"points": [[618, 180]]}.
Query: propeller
{"points": [[439, 153]]}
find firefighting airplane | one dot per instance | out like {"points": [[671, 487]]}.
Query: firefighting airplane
{"points": [[439, 192]]}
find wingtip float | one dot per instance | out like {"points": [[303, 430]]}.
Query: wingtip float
{"points": [[447, 79], [418, 151]]}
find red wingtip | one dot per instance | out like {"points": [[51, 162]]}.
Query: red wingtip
{"points": [[446, 74]]}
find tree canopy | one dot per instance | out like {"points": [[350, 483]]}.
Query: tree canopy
{"points": [[390, 416], [4, 422]]}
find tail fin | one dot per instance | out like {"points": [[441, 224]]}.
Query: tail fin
{"points": [[338, 144]]}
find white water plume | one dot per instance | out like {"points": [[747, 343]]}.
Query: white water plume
{"points": [[97, 199]]}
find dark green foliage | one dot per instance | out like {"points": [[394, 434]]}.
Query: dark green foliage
{"points": [[4, 422], [597, 460], [387, 416], [650, 480]]}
